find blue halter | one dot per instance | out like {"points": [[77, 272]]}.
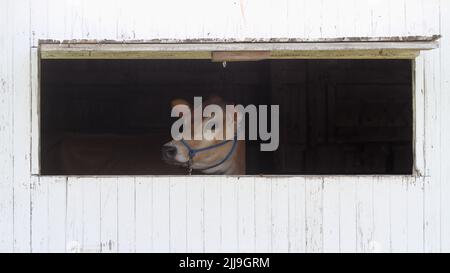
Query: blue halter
{"points": [[193, 152]]}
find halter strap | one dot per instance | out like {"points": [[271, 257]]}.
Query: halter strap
{"points": [[193, 152]]}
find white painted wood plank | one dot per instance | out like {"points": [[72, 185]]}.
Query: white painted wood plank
{"points": [[35, 131], [126, 18], [263, 215], [180, 15], [348, 215], [431, 15], [55, 21], [445, 125], [330, 18], [157, 28], [296, 9], [126, 215], [48, 214], [331, 215], [91, 214], [154, 24], [39, 215], [419, 116], [433, 99], [198, 22], [232, 12], [361, 18], [83, 215], [280, 215], [432, 230], [22, 124], [108, 15], [144, 18], [108, 214], [399, 214], [279, 14], [314, 214], [75, 210], [252, 11], [57, 200], [212, 228], [161, 219], [313, 19], [379, 17], [346, 22], [413, 17], [432, 184], [432, 117], [415, 231], [297, 214], [364, 215], [246, 214], [229, 215], [381, 215], [195, 215], [85, 21], [144, 210], [38, 21], [436, 238], [397, 20], [177, 212], [6, 131]]}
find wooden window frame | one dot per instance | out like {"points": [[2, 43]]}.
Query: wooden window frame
{"points": [[245, 50]]}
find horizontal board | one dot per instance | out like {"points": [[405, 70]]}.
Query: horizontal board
{"points": [[204, 50]]}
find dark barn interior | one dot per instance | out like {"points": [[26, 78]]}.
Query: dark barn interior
{"points": [[111, 117]]}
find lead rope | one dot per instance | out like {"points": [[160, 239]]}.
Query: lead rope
{"points": [[190, 166]]}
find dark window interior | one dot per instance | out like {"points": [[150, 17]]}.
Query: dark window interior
{"points": [[111, 117]]}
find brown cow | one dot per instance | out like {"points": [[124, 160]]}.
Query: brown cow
{"points": [[208, 156]]}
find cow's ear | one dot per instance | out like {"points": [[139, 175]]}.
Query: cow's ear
{"points": [[215, 99], [176, 102]]}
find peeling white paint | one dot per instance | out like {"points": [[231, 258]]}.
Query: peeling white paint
{"points": [[296, 214]]}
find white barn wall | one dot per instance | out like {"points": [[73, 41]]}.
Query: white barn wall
{"points": [[196, 214]]}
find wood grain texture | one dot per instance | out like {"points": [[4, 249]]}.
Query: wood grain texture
{"points": [[144, 211], [280, 215], [263, 215], [331, 208], [178, 235], [6, 130], [35, 106], [108, 215], [21, 124], [298, 214], [198, 236], [364, 215], [209, 220], [444, 127], [161, 218], [314, 214], [229, 215], [348, 215]]}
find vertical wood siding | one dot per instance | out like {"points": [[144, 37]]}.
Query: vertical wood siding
{"points": [[196, 214]]}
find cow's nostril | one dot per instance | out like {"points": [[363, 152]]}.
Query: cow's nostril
{"points": [[169, 151]]}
